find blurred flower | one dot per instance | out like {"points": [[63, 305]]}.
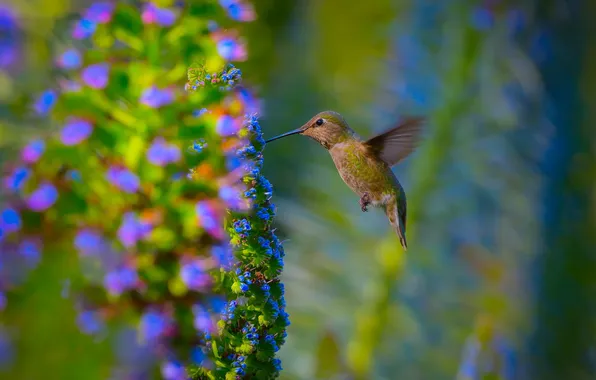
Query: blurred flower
{"points": [[97, 13], [70, 59], [33, 151], [173, 371], [9, 41], [6, 349], [209, 218], [154, 97], [203, 321], [96, 76], [120, 280], [223, 255], [227, 125], [229, 47], [194, 275], [42, 198], [10, 220], [83, 29], [67, 85], [239, 10], [75, 131], [161, 153], [89, 242], [100, 12], [90, 322], [132, 229], [482, 18], [199, 112], [30, 250], [232, 197], [17, 179], [124, 179], [45, 102], [154, 325], [160, 16]]}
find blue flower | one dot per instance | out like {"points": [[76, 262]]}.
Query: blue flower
{"points": [[89, 322], [33, 151], [70, 59], [45, 102], [124, 179], [161, 153], [242, 227], [155, 97], [43, 197], [30, 251], [97, 75], [10, 220], [17, 179], [75, 131]]}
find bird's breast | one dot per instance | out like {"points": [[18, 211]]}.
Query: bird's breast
{"points": [[362, 172]]}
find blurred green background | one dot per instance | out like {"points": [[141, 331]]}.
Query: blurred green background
{"points": [[499, 280]]}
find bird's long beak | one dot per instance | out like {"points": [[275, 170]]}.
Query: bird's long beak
{"points": [[294, 132]]}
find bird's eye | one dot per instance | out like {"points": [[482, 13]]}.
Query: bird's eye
{"points": [[320, 122]]}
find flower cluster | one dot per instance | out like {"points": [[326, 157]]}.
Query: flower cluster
{"points": [[193, 257], [199, 77]]}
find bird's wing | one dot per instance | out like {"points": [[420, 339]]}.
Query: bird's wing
{"points": [[398, 142]]}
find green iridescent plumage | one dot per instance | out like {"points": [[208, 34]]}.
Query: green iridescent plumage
{"points": [[365, 166]]}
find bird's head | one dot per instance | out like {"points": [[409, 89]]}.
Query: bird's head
{"points": [[327, 127]]}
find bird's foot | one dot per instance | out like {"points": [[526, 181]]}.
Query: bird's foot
{"points": [[364, 202]]}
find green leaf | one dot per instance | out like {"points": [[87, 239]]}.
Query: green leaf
{"points": [[328, 357]]}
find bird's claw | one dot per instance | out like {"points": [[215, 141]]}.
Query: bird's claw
{"points": [[364, 202]]}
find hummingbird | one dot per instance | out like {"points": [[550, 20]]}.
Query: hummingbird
{"points": [[365, 165]]}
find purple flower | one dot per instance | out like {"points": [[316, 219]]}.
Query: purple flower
{"points": [[160, 16], [195, 277], [70, 59], [209, 219], [223, 255], [90, 322], [238, 10], [43, 197], [155, 97], [202, 320], [97, 13], [227, 125], [97, 75], [173, 371], [232, 197], [100, 12], [229, 47], [132, 230], [89, 242], [76, 131], [120, 280], [33, 151], [9, 39], [17, 179], [124, 179], [154, 325], [45, 102], [83, 29], [161, 153], [30, 250]]}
